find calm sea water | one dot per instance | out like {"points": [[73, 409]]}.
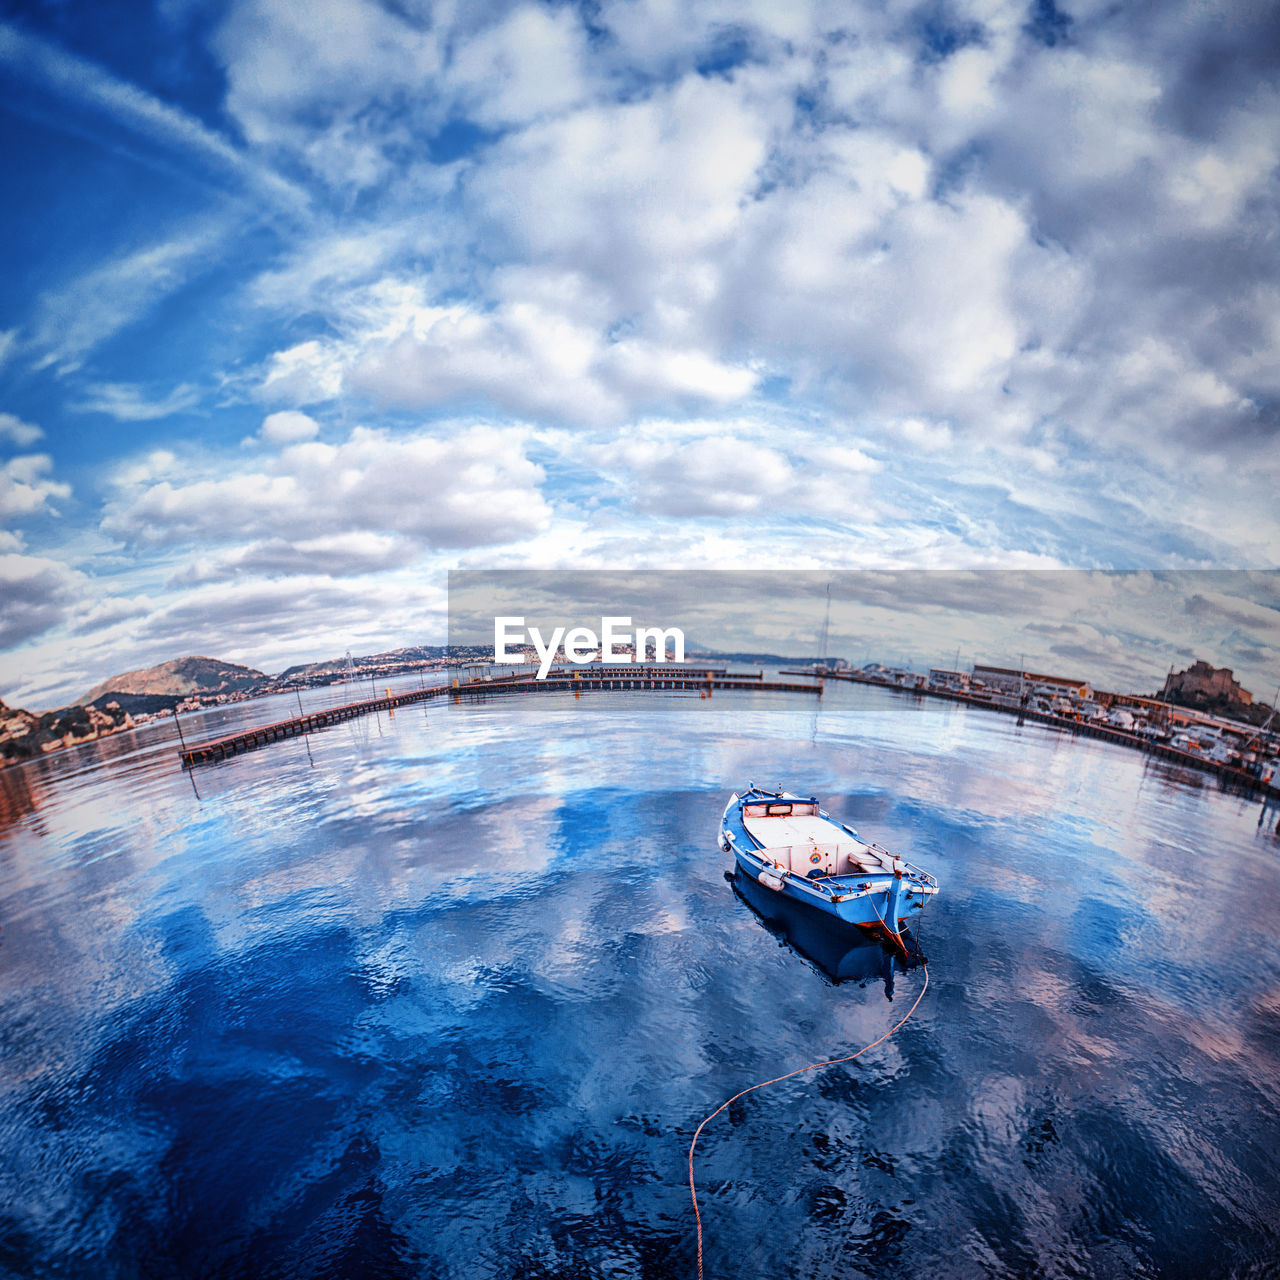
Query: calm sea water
{"points": [[445, 994]]}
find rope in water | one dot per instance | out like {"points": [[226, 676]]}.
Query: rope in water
{"points": [[813, 1066]]}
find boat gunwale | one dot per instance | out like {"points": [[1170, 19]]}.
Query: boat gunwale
{"points": [[928, 883]]}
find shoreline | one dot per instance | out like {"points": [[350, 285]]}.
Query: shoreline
{"points": [[1241, 779]]}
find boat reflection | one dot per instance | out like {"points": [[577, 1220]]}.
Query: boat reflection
{"points": [[838, 954]]}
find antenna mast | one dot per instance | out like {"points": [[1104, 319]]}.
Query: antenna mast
{"points": [[826, 629]]}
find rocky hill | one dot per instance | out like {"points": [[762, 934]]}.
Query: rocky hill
{"points": [[1212, 689], [24, 734], [179, 678]]}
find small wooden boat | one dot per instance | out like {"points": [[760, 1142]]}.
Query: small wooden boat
{"points": [[788, 844]]}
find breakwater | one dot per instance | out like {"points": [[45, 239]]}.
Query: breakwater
{"points": [[641, 681], [648, 679], [260, 736]]}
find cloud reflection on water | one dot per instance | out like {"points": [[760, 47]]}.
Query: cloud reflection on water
{"points": [[450, 1000]]}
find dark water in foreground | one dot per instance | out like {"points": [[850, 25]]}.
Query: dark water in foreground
{"points": [[446, 996]]}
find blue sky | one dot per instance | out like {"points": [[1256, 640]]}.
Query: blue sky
{"points": [[304, 305]]}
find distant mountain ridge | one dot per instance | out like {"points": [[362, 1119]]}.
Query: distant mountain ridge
{"points": [[335, 666], [179, 677]]}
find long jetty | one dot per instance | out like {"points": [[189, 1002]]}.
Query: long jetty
{"points": [[647, 679], [1087, 728], [250, 739]]}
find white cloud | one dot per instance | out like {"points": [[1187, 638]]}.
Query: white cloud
{"points": [[1030, 289], [36, 594], [94, 616], [533, 358], [78, 79], [304, 373], [733, 477], [128, 403], [287, 67], [910, 248], [70, 321], [529, 64], [159, 464], [473, 487], [288, 427], [14, 431], [24, 488], [322, 270], [928, 437], [338, 555], [630, 192]]}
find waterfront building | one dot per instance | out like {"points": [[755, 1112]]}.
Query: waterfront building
{"points": [[1008, 680]]}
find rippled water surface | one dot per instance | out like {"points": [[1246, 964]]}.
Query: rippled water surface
{"points": [[445, 994]]}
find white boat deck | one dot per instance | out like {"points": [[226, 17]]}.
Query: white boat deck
{"points": [[806, 843], [796, 829]]}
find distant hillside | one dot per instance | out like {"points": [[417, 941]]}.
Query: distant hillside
{"points": [[410, 657], [135, 704], [750, 657], [24, 735], [179, 678]]}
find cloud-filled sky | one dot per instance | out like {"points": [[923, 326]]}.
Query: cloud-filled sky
{"points": [[303, 305]]}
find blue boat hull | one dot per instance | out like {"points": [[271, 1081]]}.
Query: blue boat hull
{"points": [[839, 953]]}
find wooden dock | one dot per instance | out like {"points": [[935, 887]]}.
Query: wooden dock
{"points": [[250, 739], [648, 679], [635, 682]]}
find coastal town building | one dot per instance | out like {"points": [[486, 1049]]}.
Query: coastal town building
{"points": [[1008, 680]]}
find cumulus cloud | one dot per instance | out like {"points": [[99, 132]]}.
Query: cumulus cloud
{"points": [[92, 617], [735, 478], [540, 357], [1011, 267], [475, 487], [538, 363], [632, 193], [529, 64], [14, 431], [25, 490], [341, 555], [341, 59], [904, 243], [288, 427], [36, 594]]}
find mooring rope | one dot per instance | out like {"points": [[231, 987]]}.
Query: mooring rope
{"points": [[813, 1066]]}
